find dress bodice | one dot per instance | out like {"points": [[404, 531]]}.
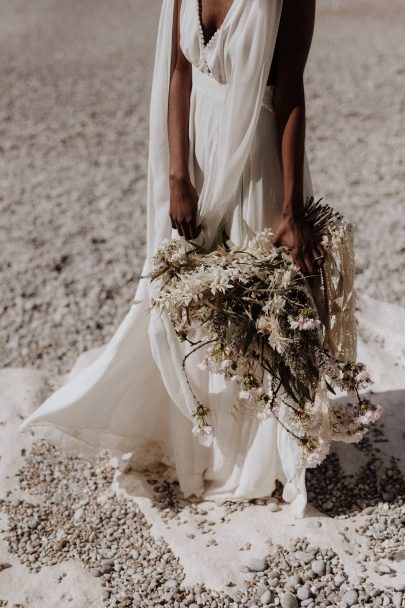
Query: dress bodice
{"points": [[214, 56]]}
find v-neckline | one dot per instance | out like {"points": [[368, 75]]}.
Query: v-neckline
{"points": [[207, 43]]}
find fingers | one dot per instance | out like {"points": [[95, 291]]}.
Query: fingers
{"points": [[305, 262], [197, 230], [192, 230], [179, 228], [186, 228]]}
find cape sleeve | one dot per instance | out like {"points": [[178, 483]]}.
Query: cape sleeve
{"points": [[252, 40], [158, 195]]}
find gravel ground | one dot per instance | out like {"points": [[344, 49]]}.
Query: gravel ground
{"points": [[71, 512], [73, 123]]}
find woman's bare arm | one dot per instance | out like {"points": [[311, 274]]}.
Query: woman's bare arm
{"points": [[293, 43], [183, 196]]}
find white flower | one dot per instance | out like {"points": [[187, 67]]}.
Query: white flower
{"points": [[176, 257], [286, 278], [304, 324], [371, 415], [198, 430], [275, 305], [204, 434], [262, 241], [264, 325], [226, 364], [311, 458]]}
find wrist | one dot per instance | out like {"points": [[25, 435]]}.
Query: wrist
{"points": [[178, 178], [293, 212]]}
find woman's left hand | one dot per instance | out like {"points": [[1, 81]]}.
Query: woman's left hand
{"points": [[296, 236]]}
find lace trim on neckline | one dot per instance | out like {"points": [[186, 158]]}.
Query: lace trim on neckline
{"points": [[206, 45]]}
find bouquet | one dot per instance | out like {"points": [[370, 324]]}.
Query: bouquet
{"points": [[252, 314]]}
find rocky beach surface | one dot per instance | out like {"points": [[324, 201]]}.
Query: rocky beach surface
{"points": [[80, 528]]}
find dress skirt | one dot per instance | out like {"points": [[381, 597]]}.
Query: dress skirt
{"points": [[119, 400]]}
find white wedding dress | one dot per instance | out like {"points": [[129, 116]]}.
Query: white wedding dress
{"points": [[133, 396]]}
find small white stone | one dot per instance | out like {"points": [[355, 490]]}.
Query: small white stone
{"points": [[266, 598], [350, 597], [303, 593], [256, 564], [288, 600], [318, 566], [383, 569]]}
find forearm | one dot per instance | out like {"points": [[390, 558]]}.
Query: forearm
{"points": [[178, 123], [289, 103], [292, 48]]}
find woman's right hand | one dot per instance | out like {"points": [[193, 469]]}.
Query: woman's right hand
{"points": [[183, 207]]}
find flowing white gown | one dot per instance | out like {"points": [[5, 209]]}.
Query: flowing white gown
{"points": [[133, 396]]}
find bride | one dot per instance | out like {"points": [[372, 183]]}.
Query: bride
{"points": [[226, 150]]}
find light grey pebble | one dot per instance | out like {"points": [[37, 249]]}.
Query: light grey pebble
{"points": [[350, 597], [257, 564], [273, 507], [383, 569], [266, 598], [302, 556], [293, 581], [95, 572], [303, 593], [33, 523], [339, 580], [288, 600], [318, 566]]}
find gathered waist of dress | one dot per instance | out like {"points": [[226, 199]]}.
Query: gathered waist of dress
{"points": [[217, 90]]}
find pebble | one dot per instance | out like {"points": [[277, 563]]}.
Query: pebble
{"points": [[288, 600], [303, 593], [318, 566], [302, 556], [265, 598], [350, 597], [256, 564], [293, 581], [383, 569], [273, 507]]}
